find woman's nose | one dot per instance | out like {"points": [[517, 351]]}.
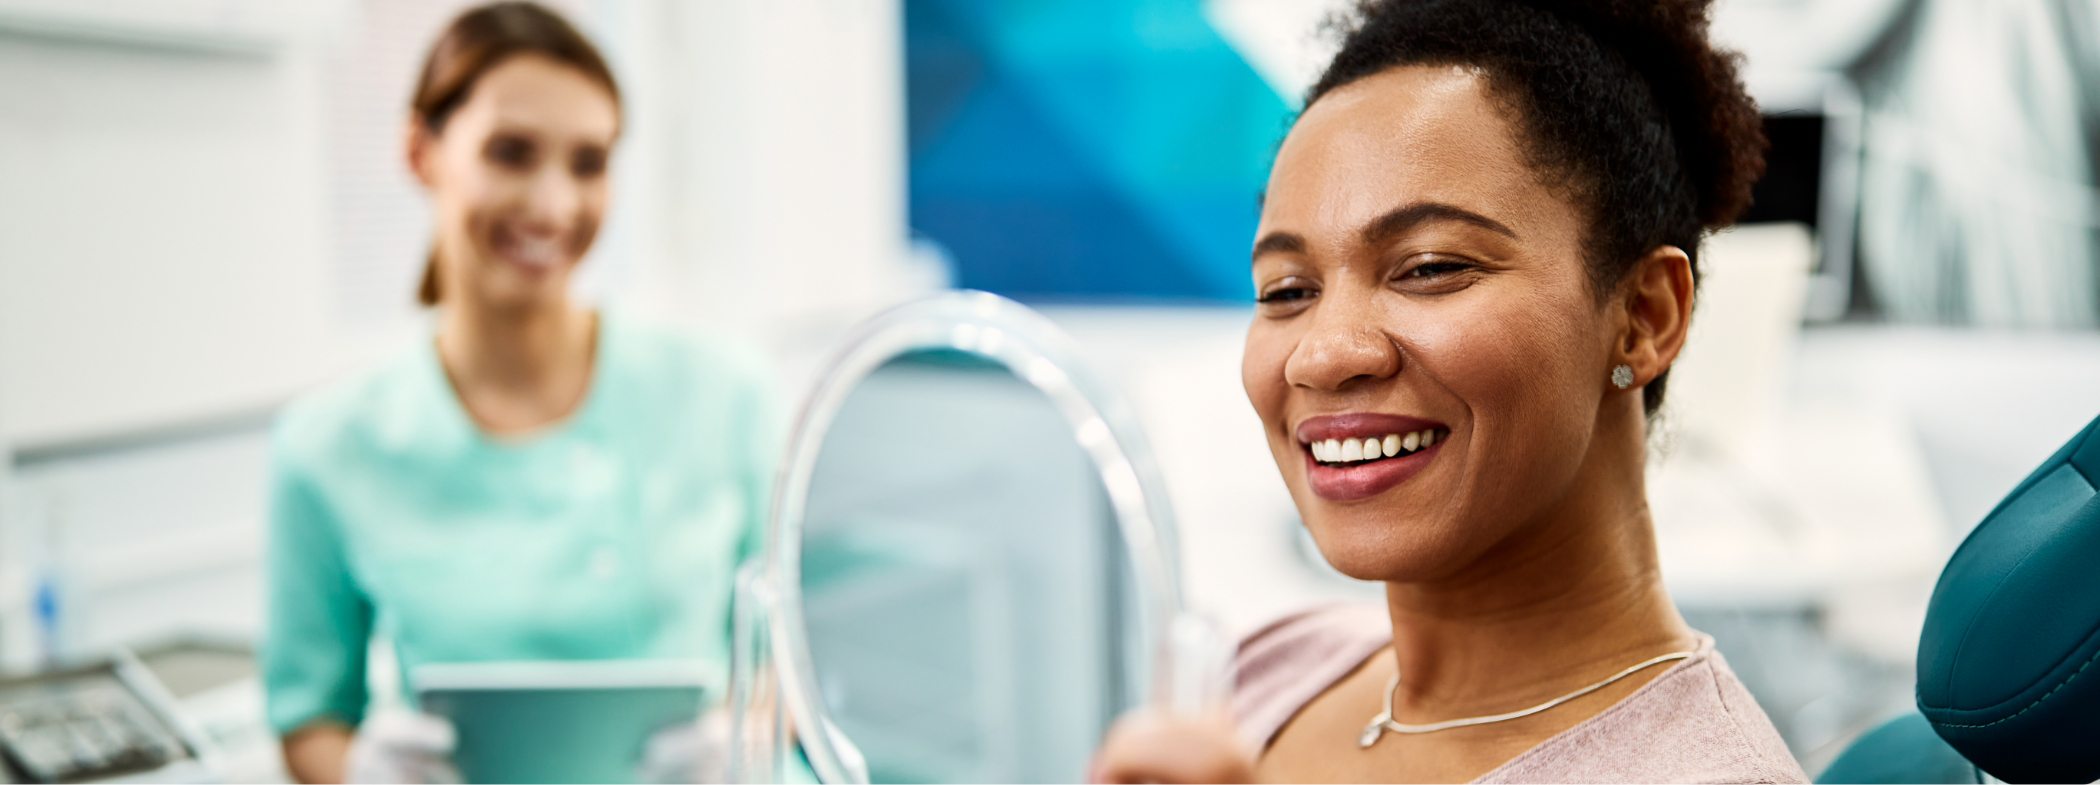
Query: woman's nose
{"points": [[1345, 346], [553, 197]]}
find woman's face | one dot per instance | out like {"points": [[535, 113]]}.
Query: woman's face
{"points": [[518, 179], [1418, 280]]}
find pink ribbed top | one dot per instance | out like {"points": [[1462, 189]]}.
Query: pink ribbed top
{"points": [[1693, 723]]}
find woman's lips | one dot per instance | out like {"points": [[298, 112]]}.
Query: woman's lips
{"points": [[1357, 456], [535, 254], [533, 251]]}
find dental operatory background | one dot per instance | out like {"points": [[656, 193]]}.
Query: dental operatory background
{"points": [[204, 212]]}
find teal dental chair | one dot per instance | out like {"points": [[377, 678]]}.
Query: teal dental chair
{"points": [[2009, 662]]}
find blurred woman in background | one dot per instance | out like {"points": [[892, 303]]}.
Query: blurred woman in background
{"points": [[539, 480], [1475, 265]]}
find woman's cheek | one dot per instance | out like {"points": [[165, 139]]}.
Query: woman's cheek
{"points": [[587, 222], [1261, 371], [1262, 376], [1528, 403], [1465, 349], [1490, 355]]}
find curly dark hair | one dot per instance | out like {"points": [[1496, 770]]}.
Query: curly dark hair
{"points": [[1624, 104]]}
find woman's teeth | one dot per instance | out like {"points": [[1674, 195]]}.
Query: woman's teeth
{"points": [[537, 252], [1348, 451]]}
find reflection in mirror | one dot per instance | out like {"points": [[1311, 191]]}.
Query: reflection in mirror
{"points": [[964, 582]]}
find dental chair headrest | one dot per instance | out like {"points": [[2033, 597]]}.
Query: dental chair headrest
{"points": [[2009, 662]]}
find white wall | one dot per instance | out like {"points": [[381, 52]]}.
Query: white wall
{"points": [[162, 235], [765, 177]]}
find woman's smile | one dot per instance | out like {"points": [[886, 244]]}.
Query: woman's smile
{"points": [[533, 252], [1360, 455]]}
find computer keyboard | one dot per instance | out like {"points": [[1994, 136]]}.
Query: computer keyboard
{"points": [[81, 725]]}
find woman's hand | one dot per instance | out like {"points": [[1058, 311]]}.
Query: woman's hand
{"points": [[314, 752], [1153, 746], [398, 745], [695, 751]]}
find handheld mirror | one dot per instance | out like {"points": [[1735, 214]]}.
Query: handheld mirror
{"points": [[969, 566]]}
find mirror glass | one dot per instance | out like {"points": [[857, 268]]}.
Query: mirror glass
{"points": [[969, 564], [964, 586]]}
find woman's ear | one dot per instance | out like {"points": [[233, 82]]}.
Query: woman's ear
{"points": [[419, 149], [1657, 296]]}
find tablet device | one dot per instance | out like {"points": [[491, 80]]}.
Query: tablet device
{"points": [[564, 721]]}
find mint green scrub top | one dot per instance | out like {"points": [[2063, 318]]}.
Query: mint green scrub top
{"points": [[612, 534]]}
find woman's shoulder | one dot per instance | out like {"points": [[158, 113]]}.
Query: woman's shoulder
{"points": [[391, 401], [1284, 665], [1694, 723]]}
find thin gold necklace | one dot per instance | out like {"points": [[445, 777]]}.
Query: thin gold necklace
{"points": [[1384, 721]]}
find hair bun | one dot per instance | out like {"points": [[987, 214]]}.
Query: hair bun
{"points": [[1715, 124]]}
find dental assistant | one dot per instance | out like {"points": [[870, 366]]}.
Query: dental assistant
{"points": [[535, 481]]}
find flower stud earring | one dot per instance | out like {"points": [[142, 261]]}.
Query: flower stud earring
{"points": [[1622, 376]]}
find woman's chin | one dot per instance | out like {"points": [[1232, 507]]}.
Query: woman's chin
{"points": [[509, 285], [1380, 552], [515, 295], [532, 269]]}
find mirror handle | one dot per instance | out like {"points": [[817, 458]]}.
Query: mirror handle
{"points": [[758, 743], [1199, 670], [763, 739]]}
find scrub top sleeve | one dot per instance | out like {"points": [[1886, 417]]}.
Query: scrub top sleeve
{"points": [[319, 623]]}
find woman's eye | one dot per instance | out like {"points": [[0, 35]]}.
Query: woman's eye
{"points": [[1288, 294], [511, 152], [1435, 270], [587, 162], [1438, 275]]}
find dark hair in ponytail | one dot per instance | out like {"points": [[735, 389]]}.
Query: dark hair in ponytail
{"points": [[476, 42], [1624, 104]]}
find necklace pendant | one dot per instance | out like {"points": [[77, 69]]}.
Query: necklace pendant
{"points": [[1370, 735]]}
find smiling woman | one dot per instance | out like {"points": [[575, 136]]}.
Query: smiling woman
{"points": [[1475, 265], [536, 481]]}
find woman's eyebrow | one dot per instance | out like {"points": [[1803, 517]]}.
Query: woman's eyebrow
{"points": [[1411, 216], [1392, 223], [1278, 242]]}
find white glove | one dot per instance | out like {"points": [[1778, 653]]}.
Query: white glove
{"points": [[695, 751], [401, 746]]}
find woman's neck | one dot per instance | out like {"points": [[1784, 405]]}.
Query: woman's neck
{"points": [[517, 370], [1572, 598]]}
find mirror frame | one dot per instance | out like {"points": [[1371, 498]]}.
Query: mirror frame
{"points": [[769, 629]]}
